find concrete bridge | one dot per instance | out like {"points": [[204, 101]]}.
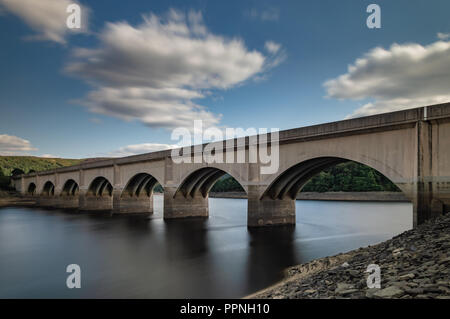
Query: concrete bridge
{"points": [[410, 147]]}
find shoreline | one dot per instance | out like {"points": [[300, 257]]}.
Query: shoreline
{"points": [[8, 199], [414, 264], [331, 196]]}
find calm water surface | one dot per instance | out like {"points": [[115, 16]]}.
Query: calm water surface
{"points": [[152, 258]]}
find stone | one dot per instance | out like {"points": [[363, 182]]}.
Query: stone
{"points": [[371, 291], [406, 277], [347, 292], [342, 287], [389, 292]]}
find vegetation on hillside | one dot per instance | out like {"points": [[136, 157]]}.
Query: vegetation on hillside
{"points": [[345, 177], [27, 164], [350, 177]]}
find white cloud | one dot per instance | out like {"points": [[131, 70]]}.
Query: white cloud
{"points": [[13, 145], [403, 76], [266, 14], [48, 156], [46, 17], [140, 149], [153, 72], [272, 47], [443, 36]]}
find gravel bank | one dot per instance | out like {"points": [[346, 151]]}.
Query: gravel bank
{"points": [[414, 264]]}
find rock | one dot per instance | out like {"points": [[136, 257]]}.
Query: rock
{"points": [[371, 291], [345, 265], [397, 252], [406, 277], [414, 291], [342, 286], [444, 261], [389, 292], [347, 292], [310, 291]]}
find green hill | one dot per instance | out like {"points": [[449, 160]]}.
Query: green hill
{"points": [[27, 163]]}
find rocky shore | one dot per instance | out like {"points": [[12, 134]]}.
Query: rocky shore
{"points": [[414, 264]]}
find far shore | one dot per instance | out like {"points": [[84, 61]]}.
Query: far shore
{"points": [[331, 196], [14, 199]]}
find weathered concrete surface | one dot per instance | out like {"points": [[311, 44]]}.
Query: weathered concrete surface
{"points": [[135, 205], [67, 202], [93, 203], [176, 205], [268, 212], [410, 147]]}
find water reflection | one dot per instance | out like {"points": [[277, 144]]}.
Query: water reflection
{"points": [[187, 258], [271, 248]]}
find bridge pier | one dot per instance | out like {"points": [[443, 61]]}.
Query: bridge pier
{"points": [[95, 203], [133, 205], [176, 205], [67, 202], [47, 201], [268, 211]]}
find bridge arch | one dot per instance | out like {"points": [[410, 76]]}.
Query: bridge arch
{"points": [[70, 188], [31, 190], [290, 181], [199, 182], [49, 189], [100, 187], [140, 185]]}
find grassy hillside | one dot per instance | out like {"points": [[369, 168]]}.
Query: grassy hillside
{"points": [[27, 163]]}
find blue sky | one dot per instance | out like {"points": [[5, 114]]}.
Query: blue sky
{"points": [[121, 85]]}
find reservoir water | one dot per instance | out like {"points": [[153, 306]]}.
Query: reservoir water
{"points": [[218, 257]]}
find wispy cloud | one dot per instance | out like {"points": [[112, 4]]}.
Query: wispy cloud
{"points": [[13, 145], [155, 72], [46, 17], [403, 76], [139, 149], [265, 14], [443, 36]]}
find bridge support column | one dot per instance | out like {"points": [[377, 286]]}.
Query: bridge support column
{"points": [[133, 205], [95, 203], [179, 206], [268, 211], [68, 202], [47, 201]]}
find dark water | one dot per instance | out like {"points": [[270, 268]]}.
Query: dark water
{"points": [[214, 258]]}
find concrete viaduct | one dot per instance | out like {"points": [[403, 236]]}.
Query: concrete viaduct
{"points": [[410, 147]]}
